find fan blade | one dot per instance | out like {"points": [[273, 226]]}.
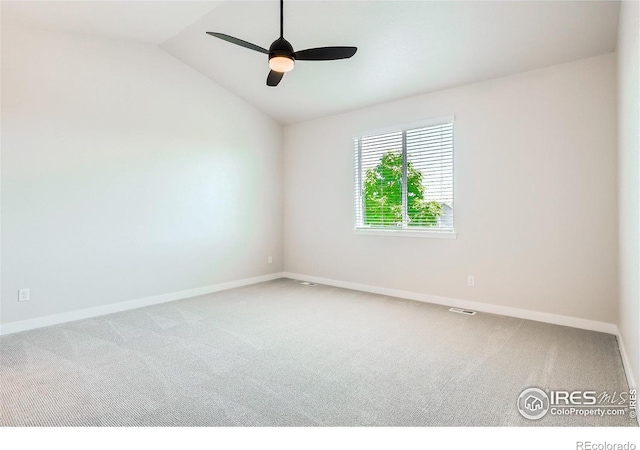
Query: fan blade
{"points": [[325, 53], [240, 42], [274, 78]]}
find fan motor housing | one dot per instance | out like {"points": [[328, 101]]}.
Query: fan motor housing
{"points": [[281, 47]]}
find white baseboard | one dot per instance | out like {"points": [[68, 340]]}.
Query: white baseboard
{"points": [[631, 380], [39, 322], [537, 316], [557, 319], [625, 361]]}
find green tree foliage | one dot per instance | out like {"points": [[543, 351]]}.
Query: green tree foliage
{"points": [[383, 195]]}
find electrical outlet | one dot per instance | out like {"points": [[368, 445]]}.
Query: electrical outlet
{"points": [[23, 295], [270, 259], [471, 280]]}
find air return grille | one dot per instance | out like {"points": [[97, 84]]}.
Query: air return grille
{"points": [[463, 311]]}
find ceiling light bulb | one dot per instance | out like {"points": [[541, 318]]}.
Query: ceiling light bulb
{"points": [[281, 64]]}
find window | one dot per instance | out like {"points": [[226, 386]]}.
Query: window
{"points": [[404, 179]]}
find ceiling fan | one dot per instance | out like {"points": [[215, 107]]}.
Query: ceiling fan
{"points": [[281, 55]]}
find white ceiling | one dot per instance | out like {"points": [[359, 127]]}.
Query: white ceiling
{"points": [[404, 48], [142, 21]]}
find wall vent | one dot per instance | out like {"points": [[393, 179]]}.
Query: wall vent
{"points": [[463, 311], [308, 283]]}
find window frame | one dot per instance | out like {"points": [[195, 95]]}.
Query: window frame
{"points": [[357, 183]]}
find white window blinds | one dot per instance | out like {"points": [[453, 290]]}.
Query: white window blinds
{"points": [[404, 179]]}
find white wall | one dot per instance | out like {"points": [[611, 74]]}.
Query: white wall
{"points": [[126, 174], [535, 195], [629, 151]]}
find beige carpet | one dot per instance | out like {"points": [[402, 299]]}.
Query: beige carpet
{"points": [[280, 353]]}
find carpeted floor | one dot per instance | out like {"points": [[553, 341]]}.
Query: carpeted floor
{"points": [[281, 353]]}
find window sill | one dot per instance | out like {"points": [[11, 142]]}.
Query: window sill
{"points": [[407, 233]]}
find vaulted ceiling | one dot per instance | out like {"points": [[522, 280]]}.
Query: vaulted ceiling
{"points": [[404, 48]]}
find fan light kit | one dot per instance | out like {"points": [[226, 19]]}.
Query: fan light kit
{"points": [[281, 64], [282, 58]]}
